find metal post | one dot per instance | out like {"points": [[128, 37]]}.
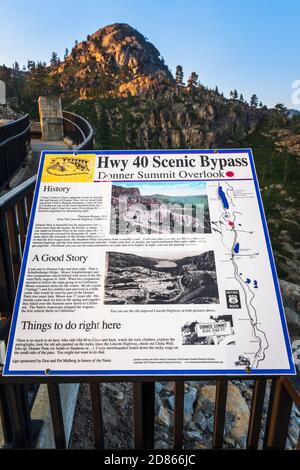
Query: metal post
{"points": [[5, 417], [280, 418], [143, 401], [220, 412], [17, 415], [256, 413], [6, 166], [178, 414]]}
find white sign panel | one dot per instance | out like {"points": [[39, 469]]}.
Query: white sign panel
{"points": [[148, 263]]}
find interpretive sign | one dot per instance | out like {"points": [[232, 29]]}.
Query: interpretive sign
{"points": [[148, 263]]}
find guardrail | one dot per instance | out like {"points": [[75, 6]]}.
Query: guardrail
{"points": [[284, 392], [78, 130], [17, 393], [14, 141]]}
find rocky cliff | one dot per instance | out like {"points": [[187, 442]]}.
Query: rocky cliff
{"points": [[120, 82], [169, 116], [147, 108], [118, 191], [115, 59], [7, 114]]}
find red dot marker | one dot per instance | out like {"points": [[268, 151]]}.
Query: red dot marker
{"points": [[230, 174]]}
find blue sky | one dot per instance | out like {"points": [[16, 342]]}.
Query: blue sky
{"points": [[168, 188], [251, 45]]}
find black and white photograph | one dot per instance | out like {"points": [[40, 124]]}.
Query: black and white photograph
{"points": [[216, 330], [172, 207], [164, 278]]}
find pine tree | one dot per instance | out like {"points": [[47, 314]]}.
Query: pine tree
{"points": [[179, 75], [235, 94], [254, 101], [281, 110], [66, 53], [103, 130], [193, 80], [287, 161], [30, 64], [54, 59], [241, 97], [38, 82]]}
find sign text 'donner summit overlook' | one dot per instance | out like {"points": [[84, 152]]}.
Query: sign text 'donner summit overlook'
{"points": [[148, 263]]}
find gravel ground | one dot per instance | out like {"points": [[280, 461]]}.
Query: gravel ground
{"points": [[117, 417]]}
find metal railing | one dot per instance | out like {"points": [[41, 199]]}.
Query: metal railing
{"points": [[78, 130], [14, 141], [17, 393], [284, 392]]}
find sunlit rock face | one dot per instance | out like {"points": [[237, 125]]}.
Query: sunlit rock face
{"points": [[129, 48], [116, 57]]}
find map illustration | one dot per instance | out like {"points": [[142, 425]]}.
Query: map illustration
{"points": [[233, 235]]}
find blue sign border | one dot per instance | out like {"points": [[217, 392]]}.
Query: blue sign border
{"points": [[173, 372]]}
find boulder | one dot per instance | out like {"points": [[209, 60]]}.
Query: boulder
{"points": [[189, 400], [163, 416], [237, 411], [291, 299], [291, 295]]}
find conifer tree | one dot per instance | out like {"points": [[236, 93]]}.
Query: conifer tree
{"points": [[281, 110], [193, 80], [54, 59], [179, 75], [30, 64], [103, 130], [254, 101]]}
